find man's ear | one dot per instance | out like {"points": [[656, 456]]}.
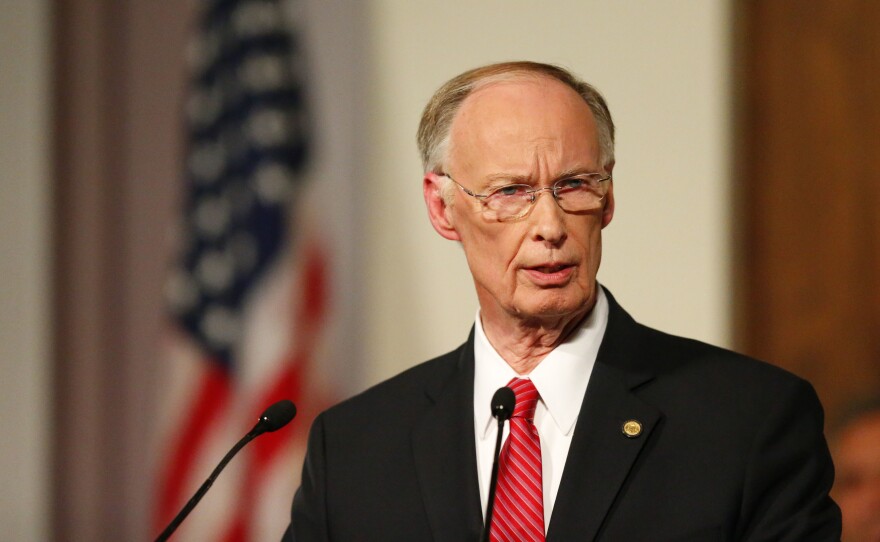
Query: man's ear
{"points": [[439, 212], [608, 210]]}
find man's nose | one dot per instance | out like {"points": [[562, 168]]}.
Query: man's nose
{"points": [[547, 219]]}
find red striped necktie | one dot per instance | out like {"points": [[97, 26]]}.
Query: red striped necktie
{"points": [[519, 502]]}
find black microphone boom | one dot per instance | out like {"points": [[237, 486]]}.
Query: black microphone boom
{"points": [[272, 419], [503, 403]]}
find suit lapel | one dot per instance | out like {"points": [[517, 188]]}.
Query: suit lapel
{"points": [[445, 455], [601, 454]]}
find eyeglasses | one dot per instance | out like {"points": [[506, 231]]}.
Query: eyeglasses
{"points": [[575, 194]]}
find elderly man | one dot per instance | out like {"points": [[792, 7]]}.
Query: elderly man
{"points": [[619, 432]]}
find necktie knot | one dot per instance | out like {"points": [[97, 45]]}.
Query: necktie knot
{"points": [[526, 398]]}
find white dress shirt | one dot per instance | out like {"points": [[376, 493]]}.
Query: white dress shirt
{"points": [[561, 380]]}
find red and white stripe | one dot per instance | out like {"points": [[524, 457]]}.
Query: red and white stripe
{"points": [[519, 503]]}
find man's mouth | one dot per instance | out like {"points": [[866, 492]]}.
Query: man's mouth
{"points": [[549, 268], [550, 275]]}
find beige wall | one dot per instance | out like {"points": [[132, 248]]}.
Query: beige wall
{"points": [[25, 398], [663, 66]]}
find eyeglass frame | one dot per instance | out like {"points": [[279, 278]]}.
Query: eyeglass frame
{"points": [[533, 193]]}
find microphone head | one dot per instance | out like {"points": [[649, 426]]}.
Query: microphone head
{"points": [[277, 415], [503, 403]]}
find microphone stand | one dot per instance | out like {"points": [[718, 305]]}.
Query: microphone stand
{"points": [[490, 506], [503, 405], [178, 519], [273, 418]]}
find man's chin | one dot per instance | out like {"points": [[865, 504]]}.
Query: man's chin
{"points": [[556, 308]]}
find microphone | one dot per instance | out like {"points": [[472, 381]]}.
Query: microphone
{"points": [[275, 417], [503, 403], [272, 419]]}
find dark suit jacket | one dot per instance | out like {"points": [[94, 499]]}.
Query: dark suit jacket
{"points": [[731, 449]]}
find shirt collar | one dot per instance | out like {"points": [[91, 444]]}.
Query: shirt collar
{"points": [[561, 378]]}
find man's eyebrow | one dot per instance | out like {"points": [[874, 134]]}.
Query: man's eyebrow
{"points": [[573, 172], [500, 179]]}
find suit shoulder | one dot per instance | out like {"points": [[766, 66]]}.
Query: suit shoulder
{"points": [[637, 347], [714, 363]]}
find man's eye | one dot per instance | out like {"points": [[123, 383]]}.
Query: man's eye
{"points": [[571, 184], [512, 190]]}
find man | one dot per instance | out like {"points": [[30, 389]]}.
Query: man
{"points": [[620, 432], [856, 450]]}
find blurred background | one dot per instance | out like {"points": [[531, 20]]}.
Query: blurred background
{"points": [[144, 323]]}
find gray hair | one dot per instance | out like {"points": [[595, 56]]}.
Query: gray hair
{"points": [[433, 135]]}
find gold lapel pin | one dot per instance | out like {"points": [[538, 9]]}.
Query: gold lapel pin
{"points": [[632, 428]]}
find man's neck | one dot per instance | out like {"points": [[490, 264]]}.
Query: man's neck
{"points": [[523, 344]]}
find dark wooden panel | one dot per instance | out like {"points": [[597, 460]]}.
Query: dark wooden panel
{"points": [[808, 190]]}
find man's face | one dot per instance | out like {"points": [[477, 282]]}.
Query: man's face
{"points": [[541, 268]]}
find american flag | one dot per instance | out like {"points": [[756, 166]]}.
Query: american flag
{"points": [[249, 293]]}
